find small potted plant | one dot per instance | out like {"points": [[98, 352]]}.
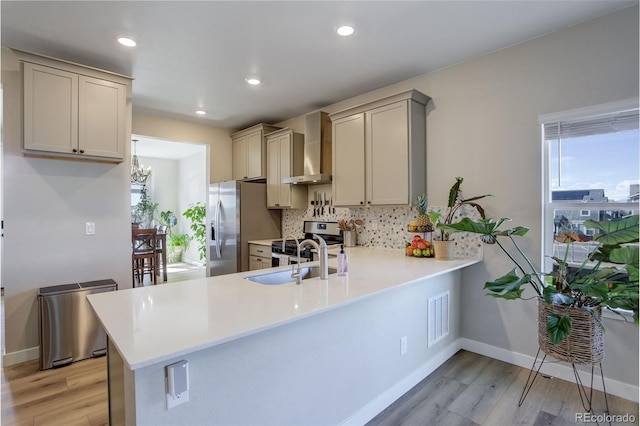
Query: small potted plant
{"points": [[444, 247], [176, 243], [145, 211]]}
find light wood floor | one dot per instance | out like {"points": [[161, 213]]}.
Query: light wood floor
{"points": [[469, 389], [71, 395]]}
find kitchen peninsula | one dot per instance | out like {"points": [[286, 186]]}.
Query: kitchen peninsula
{"points": [[324, 352]]}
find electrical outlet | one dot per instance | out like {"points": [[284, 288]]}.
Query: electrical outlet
{"points": [[90, 228], [177, 383], [403, 345]]}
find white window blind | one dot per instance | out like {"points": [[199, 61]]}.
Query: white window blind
{"points": [[602, 124]]}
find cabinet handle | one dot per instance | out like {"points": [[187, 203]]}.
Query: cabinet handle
{"points": [[361, 202], [74, 150], [260, 251], [277, 205], [368, 202], [82, 151]]}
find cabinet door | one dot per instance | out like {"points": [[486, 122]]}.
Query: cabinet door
{"points": [[240, 158], [286, 156], [255, 155], [387, 155], [101, 117], [50, 109], [255, 262], [273, 172], [349, 161], [266, 262]]}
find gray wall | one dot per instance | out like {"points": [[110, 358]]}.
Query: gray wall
{"points": [[47, 202]]}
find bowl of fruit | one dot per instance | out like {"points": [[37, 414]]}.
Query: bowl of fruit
{"points": [[419, 247]]}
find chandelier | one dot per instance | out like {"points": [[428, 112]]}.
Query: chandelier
{"points": [[138, 173]]}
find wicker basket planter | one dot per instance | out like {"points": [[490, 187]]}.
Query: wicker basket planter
{"points": [[585, 342]]}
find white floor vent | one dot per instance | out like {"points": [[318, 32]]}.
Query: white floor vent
{"points": [[438, 318]]}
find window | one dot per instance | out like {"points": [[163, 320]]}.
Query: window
{"points": [[591, 157]]}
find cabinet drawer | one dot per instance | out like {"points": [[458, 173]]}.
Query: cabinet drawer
{"points": [[259, 250]]}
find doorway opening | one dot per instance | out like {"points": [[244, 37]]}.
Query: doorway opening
{"points": [[179, 180]]}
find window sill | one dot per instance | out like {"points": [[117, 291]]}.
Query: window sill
{"points": [[627, 316]]}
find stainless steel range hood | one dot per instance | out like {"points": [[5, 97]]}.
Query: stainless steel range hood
{"points": [[317, 151]]}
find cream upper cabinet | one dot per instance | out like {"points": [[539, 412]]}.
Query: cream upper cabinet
{"points": [[249, 152], [75, 115], [348, 161], [285, 158], [380, 151]]}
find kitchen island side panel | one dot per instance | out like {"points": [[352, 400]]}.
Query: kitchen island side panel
{"points": [[322, 369]]}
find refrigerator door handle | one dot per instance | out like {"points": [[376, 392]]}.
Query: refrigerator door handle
{"points": [[217, 228]]}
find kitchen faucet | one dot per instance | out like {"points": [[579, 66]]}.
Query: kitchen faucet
{"points": [[322, 254], [295, 275]]}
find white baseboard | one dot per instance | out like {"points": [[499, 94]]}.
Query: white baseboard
{"points": [[373, 408], [561, 370], [24, 355]]}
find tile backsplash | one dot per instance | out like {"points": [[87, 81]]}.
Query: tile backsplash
{"points": [[385, 227]]}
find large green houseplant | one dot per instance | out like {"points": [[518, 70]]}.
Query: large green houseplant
{"points": [[197, 214], [607, 279]]}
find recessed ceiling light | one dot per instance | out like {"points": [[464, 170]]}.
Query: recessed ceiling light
{"points": [[127, 42], [253, 81], [201, 112], [345, 30]]}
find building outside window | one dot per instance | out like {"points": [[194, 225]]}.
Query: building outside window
{"points": [[592, 171]]}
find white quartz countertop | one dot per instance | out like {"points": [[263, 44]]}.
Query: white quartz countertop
{"points": [[158, 323]]}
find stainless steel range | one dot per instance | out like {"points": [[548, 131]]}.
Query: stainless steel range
{"points": [[329, 232]]}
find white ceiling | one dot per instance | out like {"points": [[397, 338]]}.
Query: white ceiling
{"points": [[197, 54]]}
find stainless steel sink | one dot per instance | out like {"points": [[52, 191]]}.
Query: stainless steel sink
{"points": [[284, 277]]}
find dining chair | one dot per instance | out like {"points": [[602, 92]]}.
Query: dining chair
{"points": [[143, 255], [161, 251]]}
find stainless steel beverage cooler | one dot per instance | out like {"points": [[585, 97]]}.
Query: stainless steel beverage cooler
{"points": [[69, 330]]}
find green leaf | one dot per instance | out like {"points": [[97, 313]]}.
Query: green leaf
{"points": [[558, 327], [616, 231], [454, 191], [508, 286], [626, 255], [518, 230], [552, 296]]}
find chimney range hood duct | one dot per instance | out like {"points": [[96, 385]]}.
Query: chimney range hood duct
{"points": [[317, 151]]}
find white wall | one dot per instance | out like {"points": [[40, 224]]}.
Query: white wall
{"points": [[46, 204], [483, 126], [163, 184]]}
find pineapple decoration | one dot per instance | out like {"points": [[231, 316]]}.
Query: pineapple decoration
{"points": [[422, 223]]}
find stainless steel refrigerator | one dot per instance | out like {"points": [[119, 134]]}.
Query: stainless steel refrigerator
{"points": [[237, 214]]}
